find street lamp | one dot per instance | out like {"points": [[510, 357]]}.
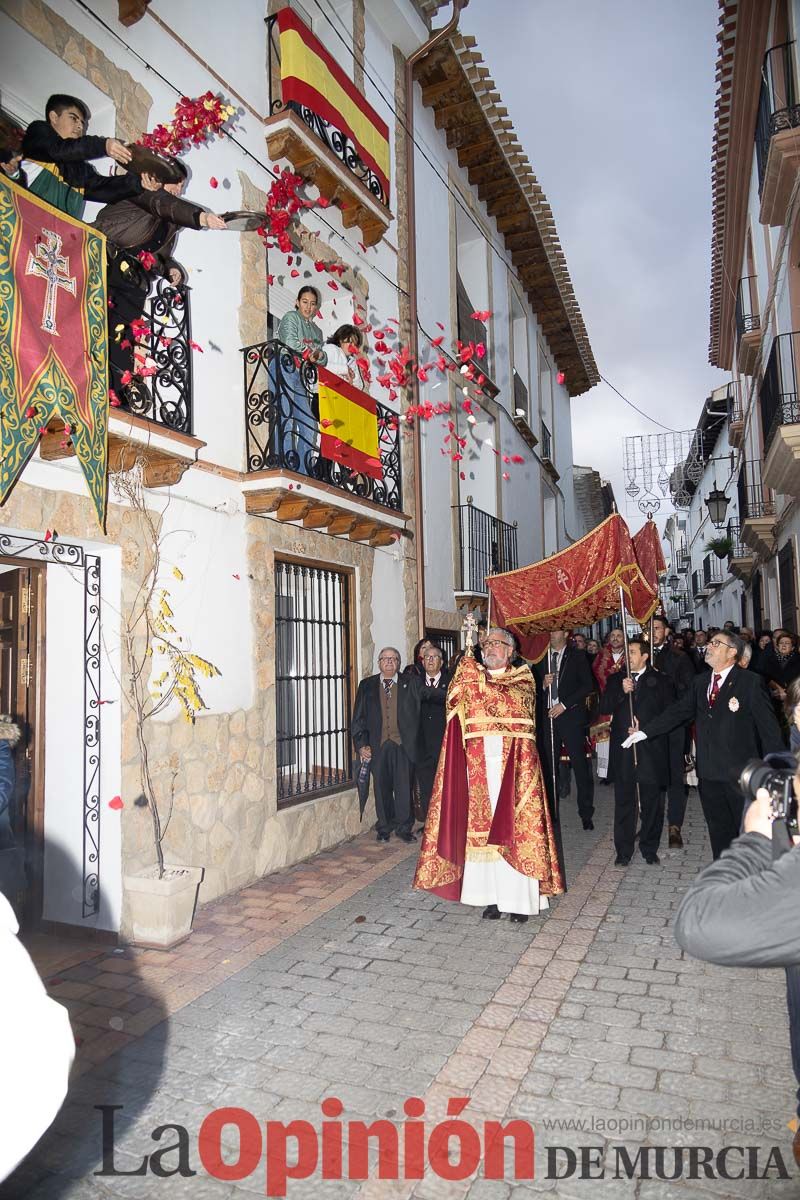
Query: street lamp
{"points": [[673, 583], [717, 504]]}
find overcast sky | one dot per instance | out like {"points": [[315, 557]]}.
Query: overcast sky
{"points": [[613, 102]]}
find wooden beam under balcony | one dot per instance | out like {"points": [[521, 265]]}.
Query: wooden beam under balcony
{"points": [[290, 138], [781, 469], [164, 454], [317, 506], [783, 163]]}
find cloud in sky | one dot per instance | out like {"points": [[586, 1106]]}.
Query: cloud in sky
{"points": [[613, 102]]}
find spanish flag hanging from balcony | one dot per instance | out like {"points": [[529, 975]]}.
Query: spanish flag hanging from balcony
{"points": [[53, 338], [348, 422], [312, 78]]}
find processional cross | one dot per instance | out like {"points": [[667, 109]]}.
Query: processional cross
{"points": [[48, 262], [469, 627]]}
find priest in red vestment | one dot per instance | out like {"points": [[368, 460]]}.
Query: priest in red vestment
{"points": [[489, 839]]}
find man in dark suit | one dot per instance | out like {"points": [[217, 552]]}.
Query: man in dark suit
{"points": [[652, 693], [384, 730], [567, 681], [734, 722], [680, 670], [431, 724]]}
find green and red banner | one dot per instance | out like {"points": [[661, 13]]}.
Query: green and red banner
{"points": [[53, 337]]}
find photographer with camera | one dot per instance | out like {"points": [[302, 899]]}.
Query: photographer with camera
{"points": [[734, 722], [744, 909]]}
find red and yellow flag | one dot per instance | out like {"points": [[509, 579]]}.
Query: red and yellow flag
{"points": [[53, 337], [311, 78], [348, 421]]}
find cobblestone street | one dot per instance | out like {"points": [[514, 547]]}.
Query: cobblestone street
{"points": [[334, 978]]}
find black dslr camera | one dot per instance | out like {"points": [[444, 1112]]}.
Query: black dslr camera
{"points": [[779, 782]]}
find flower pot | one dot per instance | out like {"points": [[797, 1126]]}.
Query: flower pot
{"points": [[161, 910]]}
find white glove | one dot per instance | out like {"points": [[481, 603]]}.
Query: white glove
{"points": [[639, 736]]}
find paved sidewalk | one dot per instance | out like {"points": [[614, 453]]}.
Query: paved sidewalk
{"points": [[335, 979]]}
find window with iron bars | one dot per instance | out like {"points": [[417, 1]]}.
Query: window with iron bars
{"points": [[313, 680]]}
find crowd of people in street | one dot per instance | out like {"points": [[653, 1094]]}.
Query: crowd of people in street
{"points": [[652, 718]]}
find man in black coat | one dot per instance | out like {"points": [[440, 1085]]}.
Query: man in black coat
{"points": [[432, 723], [384, 730], [734, 722], [567, 682], [652, 693], [680, 670]]}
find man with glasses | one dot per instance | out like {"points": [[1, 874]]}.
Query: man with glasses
{"points": [[432, 723], [384, 730], [734, 722], [489, 839]]}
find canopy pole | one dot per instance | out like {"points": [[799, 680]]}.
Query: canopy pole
{"points": [[630, 694], [552, 736]]}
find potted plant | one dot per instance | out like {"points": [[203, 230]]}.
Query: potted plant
{"points": [[161, 899], [722, 545]]}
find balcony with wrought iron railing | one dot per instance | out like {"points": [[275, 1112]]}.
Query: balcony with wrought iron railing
{"points": [[150, 385], [547, 454], [288, 472], [780, 416], [486, 546], [735, 413], [777, 157], [756, 509], [699, 588], [712, 571], [740, 556], [310, 127], [748, 324]]}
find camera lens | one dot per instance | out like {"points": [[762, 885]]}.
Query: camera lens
{"points": [[755, 774]]}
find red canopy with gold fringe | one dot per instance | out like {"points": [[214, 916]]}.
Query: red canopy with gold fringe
{"points": [[649, 555], [577, 586]]}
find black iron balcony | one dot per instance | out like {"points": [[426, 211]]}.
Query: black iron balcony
{"points": [[335, 140], [712, 571], [754, 499], [161, 362], [778, 396], [699, 588], [738, 548], [283, 430], [747, 316], [777, 105], [486, 546], [547, 443]]}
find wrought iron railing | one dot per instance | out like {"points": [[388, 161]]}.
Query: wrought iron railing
{"points": [[735, 406], [777, 103], [778, 396], [698, 586], [738, 547], [754, 499], [282, 426], [712, 571], [747, 316], [521, 397], [165, 395], [486, 546], [334, 139], [547, 443]]}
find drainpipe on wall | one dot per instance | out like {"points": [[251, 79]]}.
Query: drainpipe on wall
{"points": [[411, 227]]}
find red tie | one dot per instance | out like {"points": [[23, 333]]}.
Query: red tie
{"points": [[712, 695]]}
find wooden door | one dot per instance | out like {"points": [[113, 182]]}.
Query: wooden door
{"points": [[21, 595]]}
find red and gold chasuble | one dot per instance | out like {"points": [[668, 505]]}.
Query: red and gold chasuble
{"points": [[460, 825]]}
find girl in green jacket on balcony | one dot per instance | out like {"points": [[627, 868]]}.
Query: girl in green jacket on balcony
{"points": [[295, 427]]}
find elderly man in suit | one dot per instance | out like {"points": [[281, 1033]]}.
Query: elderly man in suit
{"points": [[567, 682], [384, 729], [734, 722], [432, 723], [651, 694]]}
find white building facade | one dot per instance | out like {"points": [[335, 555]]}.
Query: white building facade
{"points": [[288, 580], [755, 297]]}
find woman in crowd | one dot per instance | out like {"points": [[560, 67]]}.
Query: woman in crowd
{"points": [[785, 667], [416, 666], [295, 427]]}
